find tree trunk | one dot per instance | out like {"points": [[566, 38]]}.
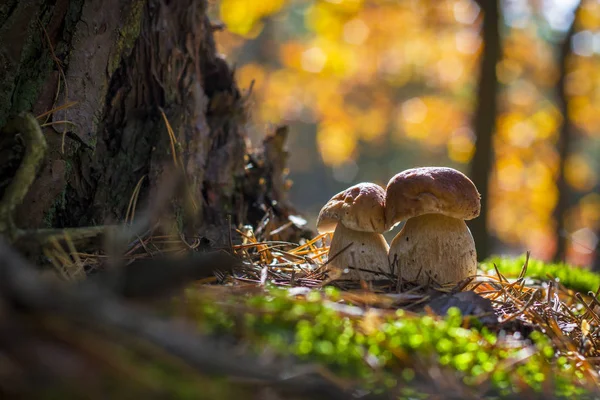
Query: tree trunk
{"points": [[124, 63], [484, 122], [596, 260], [563, 145]]}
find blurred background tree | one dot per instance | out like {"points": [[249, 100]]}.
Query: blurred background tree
{"points": [[372, 87]]}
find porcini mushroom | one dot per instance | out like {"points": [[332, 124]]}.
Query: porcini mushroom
{"points": [[356, 216], [435, 241]]}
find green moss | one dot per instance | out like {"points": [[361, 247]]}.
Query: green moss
{"points": [[93, 140], [73, 15], [35, 66], [128, 34], [68, 167], [5, 9], [179, 217], [23, 79], [60, 202], [579, 279], [59, 205], [384, 352]]}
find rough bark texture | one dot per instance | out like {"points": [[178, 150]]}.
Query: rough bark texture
{"points": [[125, 63], [485, 122]]}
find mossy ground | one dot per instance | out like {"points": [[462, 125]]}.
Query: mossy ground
{"points": [[386, 350], [278, 304], [575, 278]]}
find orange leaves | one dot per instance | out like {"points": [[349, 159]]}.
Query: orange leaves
{"points": [[243, 17], [508, 71], [546, 121], [461, 145], [251, 72], [290, 54], [583, 84], [313, 59], [355, 31], [336, 142], [527, 56], [324, 20], [465, 12], [371, 123], [589, 17], [579, 173], [398, 74], [590, 210], [320, 56], [355, 46], [430, 119]]}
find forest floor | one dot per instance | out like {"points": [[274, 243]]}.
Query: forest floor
{"points": [[150, 312], [520, 329]]}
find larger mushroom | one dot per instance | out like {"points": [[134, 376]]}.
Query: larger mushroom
{"points": [[356, 216], [435, 241]]}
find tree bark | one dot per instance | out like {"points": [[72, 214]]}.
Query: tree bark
{"points": [[596, 261], [484, 122], [563, 144], [124, 63]]}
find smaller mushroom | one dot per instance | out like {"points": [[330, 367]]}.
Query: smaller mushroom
{"points": [[435, 241], [356, 216]]}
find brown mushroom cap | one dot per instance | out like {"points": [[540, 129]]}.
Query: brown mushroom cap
{"points": [[431, 190], [360, 207]]}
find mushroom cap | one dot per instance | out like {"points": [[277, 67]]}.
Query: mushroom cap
{"points": [[431, 190], [360, 207]]}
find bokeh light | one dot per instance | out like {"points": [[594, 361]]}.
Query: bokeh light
{"points": [[371, 87]]}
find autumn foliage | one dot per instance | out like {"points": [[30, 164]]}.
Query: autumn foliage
{"points": [[372, 87]]}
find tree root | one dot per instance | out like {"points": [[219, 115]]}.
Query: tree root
{"points": [[99, 310], [27, 126]]}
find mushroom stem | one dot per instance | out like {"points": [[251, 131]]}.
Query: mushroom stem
{"points": [[436, 245], [368, 251]]}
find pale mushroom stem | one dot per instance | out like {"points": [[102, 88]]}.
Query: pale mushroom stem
{"points": [[369, 251], [434, 245]]}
